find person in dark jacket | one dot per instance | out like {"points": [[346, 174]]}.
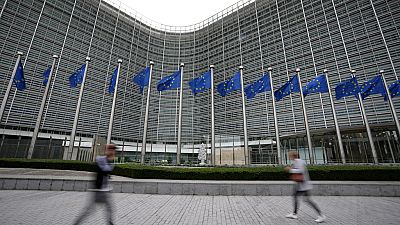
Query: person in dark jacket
{"points": [[102, 186], [302, 187]]}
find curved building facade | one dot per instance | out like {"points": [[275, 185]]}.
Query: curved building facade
{"points": [[312, 35]]}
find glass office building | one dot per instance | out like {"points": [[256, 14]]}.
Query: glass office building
{"points": [[312, 35]]}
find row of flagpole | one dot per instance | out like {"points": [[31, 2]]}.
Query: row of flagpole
{"points": [[224, 88], [199, 88], [20, 84]]}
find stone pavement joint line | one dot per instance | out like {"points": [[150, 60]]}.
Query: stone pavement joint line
{"points": [[61, 207]]}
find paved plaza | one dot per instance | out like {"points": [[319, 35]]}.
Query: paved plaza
{"points": [[60, 207]]}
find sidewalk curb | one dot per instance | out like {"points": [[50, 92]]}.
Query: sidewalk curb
{"points": [[203, 187]]}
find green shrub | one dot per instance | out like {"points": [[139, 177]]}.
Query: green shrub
{"points": [[48, 164], [321, 172]]}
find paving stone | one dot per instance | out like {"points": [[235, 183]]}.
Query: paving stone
{"points": [[145, 187], [33, 184], [164, 188], [22, 184], [388, 190], [56, 185], [22, 207], [80, 185], [346, 190], [239, 189], [188, 189], [68, 185], [176, 188], [225, 189], [116, 187], [127, 187], [45, 184], [9, 184], [206, 189]]}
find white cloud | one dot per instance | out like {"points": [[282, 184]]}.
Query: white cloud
{"points": [[177, 12]]}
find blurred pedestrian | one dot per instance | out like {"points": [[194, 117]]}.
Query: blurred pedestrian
{"points": [[101, 193], [299, 173]]}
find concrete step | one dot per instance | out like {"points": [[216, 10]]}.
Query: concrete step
{"points": [[65, 180], [205, 187]]}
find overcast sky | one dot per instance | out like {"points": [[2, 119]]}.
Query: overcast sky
{"points": [[178, 12]]}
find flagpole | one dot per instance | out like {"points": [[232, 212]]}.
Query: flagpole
{"points": [[178, 150], [40, 114], [110, 125], [212, 115], [246, 147], [146, 116], [396, 120], [371, 141], [10, 83], [278, 143], [305, 119], [76, 118], [2, 10], [338, 134]]}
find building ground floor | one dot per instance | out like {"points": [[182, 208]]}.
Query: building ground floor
{"points": [[229, 150]]}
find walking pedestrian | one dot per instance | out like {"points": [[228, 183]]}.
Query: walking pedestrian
{"points": [[299, 173], [101, 193]]}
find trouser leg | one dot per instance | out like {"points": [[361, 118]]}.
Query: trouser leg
{"points": [[109, 207], [295, 199], [311, 203], [89, 209]]}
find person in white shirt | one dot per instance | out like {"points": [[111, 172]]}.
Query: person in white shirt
{"points": [[302, 186]]}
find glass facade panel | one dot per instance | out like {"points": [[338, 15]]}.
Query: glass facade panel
{"points": [[286, 34]]}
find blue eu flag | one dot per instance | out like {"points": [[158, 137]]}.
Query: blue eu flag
{"points": [[46, 75], [113, 81], [77, 77], [347, 88], [261, 85], [19, 79], [201, 83], [142, 78], [317, 85], [373, 86], [291, 86], [170, 82], [394, 89], [229, 85]]}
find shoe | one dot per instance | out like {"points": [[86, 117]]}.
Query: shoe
{"points": [[291, 216], [320, 219], [107, 188]]}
